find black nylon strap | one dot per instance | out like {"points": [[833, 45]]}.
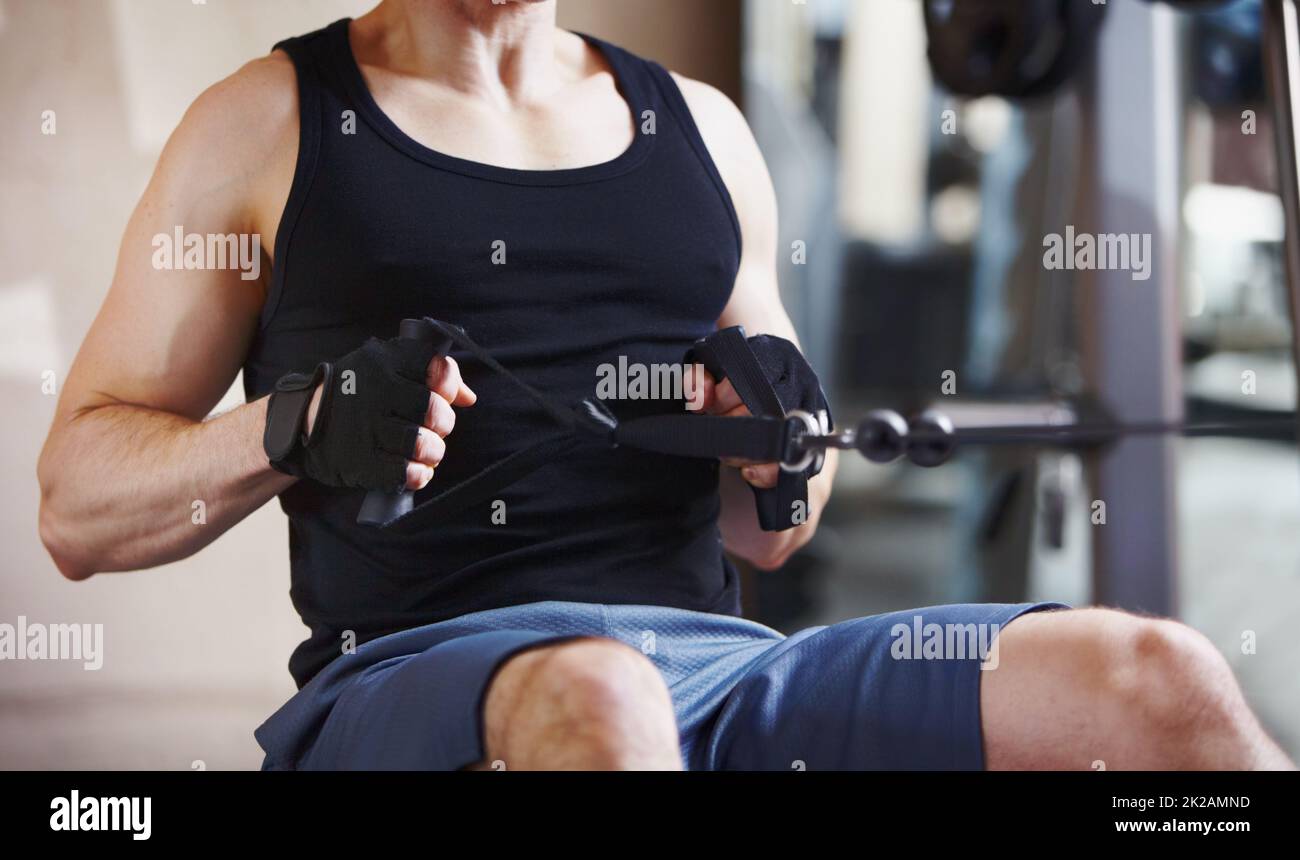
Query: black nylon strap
{"points": [[562, 414], [726, 354], [484, 485], [762, 438]]}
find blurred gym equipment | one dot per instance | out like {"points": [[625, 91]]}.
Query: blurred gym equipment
{"points": [[1122, 58]]}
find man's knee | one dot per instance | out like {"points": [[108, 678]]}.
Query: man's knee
{"points": [[1160, 683], [1097, 684], [596, 681], [591, 703], [1165, 675]]}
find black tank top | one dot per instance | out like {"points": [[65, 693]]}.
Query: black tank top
{"points": [[634, 258]]}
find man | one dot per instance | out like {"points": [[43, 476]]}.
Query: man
{"points": [[570, 205]]}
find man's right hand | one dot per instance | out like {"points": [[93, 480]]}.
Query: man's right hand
{"points": [[383, 423]]}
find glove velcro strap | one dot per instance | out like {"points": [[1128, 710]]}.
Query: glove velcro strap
{"points": [[286, 413]]}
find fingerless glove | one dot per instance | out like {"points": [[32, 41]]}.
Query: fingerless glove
{"points": [[373, 401]]}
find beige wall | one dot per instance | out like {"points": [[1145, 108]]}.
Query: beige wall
{"points": [[195, 652], [699, 38]]}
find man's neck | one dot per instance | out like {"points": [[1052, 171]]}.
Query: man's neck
{"points": [[505, 53]]}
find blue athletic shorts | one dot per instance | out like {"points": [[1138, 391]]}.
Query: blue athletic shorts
{"points": [[898, 691]]}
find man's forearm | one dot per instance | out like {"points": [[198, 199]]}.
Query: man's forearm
{"points": [[125, 487]]}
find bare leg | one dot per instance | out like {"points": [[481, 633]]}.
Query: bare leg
{"points": [[590, 704], [1075, 688]]}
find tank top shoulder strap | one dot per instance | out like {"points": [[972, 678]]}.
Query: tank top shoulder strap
{"points": [[319, 58], [658, 89], [310, 65], [316, 52]]}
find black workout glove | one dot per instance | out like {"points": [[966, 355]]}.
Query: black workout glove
{"points": [[772, 377], [373, 401], [795, 383]]}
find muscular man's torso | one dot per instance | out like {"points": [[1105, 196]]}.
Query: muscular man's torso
{"points": [[577, 238]]}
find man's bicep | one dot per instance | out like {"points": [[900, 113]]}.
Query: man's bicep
{"points": [[166, 338], [190, 278]]}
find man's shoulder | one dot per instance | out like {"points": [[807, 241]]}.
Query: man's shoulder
{"points": [[236, 129], [706, 96], [719, 120], [262, 93]]}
